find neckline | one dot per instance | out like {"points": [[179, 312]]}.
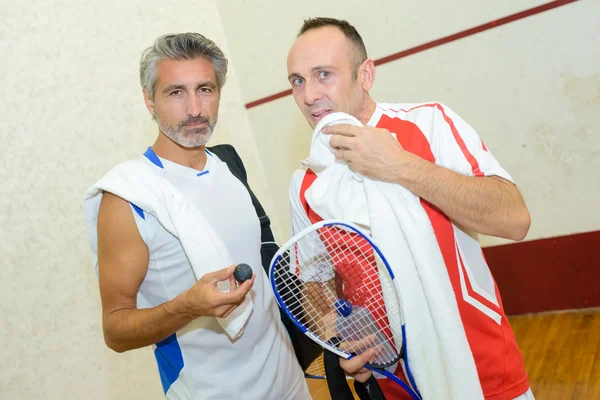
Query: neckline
{"points": [[178, 169]]}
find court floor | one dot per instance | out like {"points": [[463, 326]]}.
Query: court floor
{"points": [[561, 351]]}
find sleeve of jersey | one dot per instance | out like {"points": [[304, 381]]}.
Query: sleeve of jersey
{"points": [[458, 147], [306, 249]]}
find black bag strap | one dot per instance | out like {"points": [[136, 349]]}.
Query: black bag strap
{"points": [[338, 384]]}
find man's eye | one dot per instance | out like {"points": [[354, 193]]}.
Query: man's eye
{"points": [[298, 81], [175, 92], [205, 90], [323, 74]]}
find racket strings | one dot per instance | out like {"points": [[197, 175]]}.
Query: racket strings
{"points": [[332, 264]]}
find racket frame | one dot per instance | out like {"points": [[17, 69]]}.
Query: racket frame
{"points": [[410, 388]]}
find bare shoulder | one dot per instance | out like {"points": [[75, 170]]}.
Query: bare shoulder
{"points": [[115, 216], [119, 240], [111, 204]]}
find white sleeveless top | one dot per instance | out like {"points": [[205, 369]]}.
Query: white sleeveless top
{"points": [[200, 361]]}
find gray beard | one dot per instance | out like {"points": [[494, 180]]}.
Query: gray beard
{"points": [[187, 138]]}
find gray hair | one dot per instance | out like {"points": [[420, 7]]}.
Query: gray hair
{"points": [[182, 46]]}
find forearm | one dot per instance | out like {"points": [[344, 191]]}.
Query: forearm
{"points": [[488, 205], [131, 328]]}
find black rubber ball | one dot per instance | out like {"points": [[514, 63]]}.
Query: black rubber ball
{"points": [[242, 273]]}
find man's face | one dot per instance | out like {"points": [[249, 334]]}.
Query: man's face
{"points": [[186, 101], [321, 72]]}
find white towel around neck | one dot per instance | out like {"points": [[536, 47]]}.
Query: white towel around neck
{"points": [[438, 351], [138, 183]]}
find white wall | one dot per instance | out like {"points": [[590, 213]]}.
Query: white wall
{"points": [[71, 109], [530, 88]]}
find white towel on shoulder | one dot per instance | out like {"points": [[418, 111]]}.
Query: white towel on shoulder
{"points": [[139, 184], [439, 355]]}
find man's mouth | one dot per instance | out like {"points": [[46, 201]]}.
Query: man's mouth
{"points": [[195, 123], [319, 114]]}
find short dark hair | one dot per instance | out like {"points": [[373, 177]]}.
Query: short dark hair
{"points": [[360, 53]]}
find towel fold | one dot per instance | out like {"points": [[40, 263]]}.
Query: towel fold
{"points": [[437, 349], [137, 183]]}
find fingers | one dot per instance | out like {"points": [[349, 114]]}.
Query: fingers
{"points": [[342, 147], [244, 288], [341, 142], [227, 302], [355, 366], [342, 130], [237, 294], [208, 299], [356, 363], [220, 275], [363, 375], [343, 155], [358, 345]]}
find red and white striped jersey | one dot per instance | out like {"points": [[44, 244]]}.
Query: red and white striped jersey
{"points": [[435, 133]]}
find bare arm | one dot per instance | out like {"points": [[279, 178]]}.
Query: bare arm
{"points": [[488, 205], [122, 265]]}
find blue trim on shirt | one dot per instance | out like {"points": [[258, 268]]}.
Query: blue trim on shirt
{"points": [[138, 210], [151, 155], [170, 361]]}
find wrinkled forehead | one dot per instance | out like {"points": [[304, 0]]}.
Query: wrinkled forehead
{"points": [[185, 71], [321, 46]]}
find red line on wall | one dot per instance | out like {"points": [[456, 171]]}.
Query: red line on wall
{"points": [[269, 98], [438, 42]]}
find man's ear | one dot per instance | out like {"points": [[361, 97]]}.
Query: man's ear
{"points": [[366, 74], [149, 103]]}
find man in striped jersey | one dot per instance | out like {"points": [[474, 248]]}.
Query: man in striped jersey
{"points": [[441, 159]]}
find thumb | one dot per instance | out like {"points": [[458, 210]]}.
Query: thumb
{"points": [[367, 356], [355, 363], [220, 275]]}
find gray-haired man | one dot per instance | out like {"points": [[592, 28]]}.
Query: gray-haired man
{"points": [[150, 295]]}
